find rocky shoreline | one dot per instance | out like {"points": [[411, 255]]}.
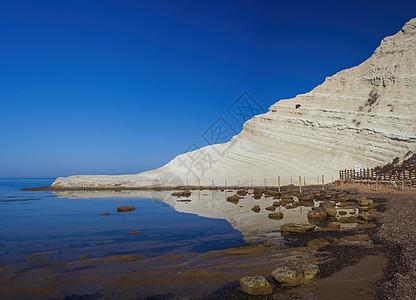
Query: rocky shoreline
{"points": [[380, 248], [389, 243]]}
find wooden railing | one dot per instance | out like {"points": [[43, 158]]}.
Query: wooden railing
{"points": [[389, 173]]}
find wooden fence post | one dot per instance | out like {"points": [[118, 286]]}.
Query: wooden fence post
{"points": [[278, 182]]}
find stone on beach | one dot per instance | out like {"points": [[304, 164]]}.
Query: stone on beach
{"points": [[257, 193], [242, 192], [271, 208], [350, 219], [318, 243], [317, 213], [256, 285], [295, 228], [334, 225], [276, 216], [295, 273], [365, 202], [121, 209], [329, 208]]}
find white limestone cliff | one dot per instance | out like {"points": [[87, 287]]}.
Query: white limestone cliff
{"points": [[364, 116]]}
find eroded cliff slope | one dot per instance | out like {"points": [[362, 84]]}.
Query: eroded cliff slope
{"points": [[364, 116]]}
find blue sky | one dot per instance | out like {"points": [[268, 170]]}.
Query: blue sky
{"points": [[113, 87]]}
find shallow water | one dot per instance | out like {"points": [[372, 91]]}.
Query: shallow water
{"points": [[36, 222]]}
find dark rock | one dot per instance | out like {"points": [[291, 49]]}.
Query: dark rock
{"points": [[306, 203], [121, 209], [295, 273], [182, 194], [271, 208], [295, 228], [276, 216], [233, 199], [350, 219], [242, 192], [256, 285], [353, 191], [334, 225], [257, 193], [365, 202], [317, 213], [255, 208], [318, 243]]}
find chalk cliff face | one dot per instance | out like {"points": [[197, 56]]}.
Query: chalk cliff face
{"points": [[364, 116]]}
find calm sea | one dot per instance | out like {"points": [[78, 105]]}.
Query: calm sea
{"points": [[36, 222]]}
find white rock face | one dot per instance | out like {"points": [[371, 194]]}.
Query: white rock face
{"points": [[364, 116]]}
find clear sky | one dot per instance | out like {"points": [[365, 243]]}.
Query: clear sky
{"points": [[113, 87]]}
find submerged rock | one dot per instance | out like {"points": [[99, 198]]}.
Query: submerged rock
{"points": [[182, 194], [295, 273], [362, 240], [276, 216], [306, 203], [256, 285], [105, 214], [295, 228], [121, 209], [318, 243], [242, 192]]}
